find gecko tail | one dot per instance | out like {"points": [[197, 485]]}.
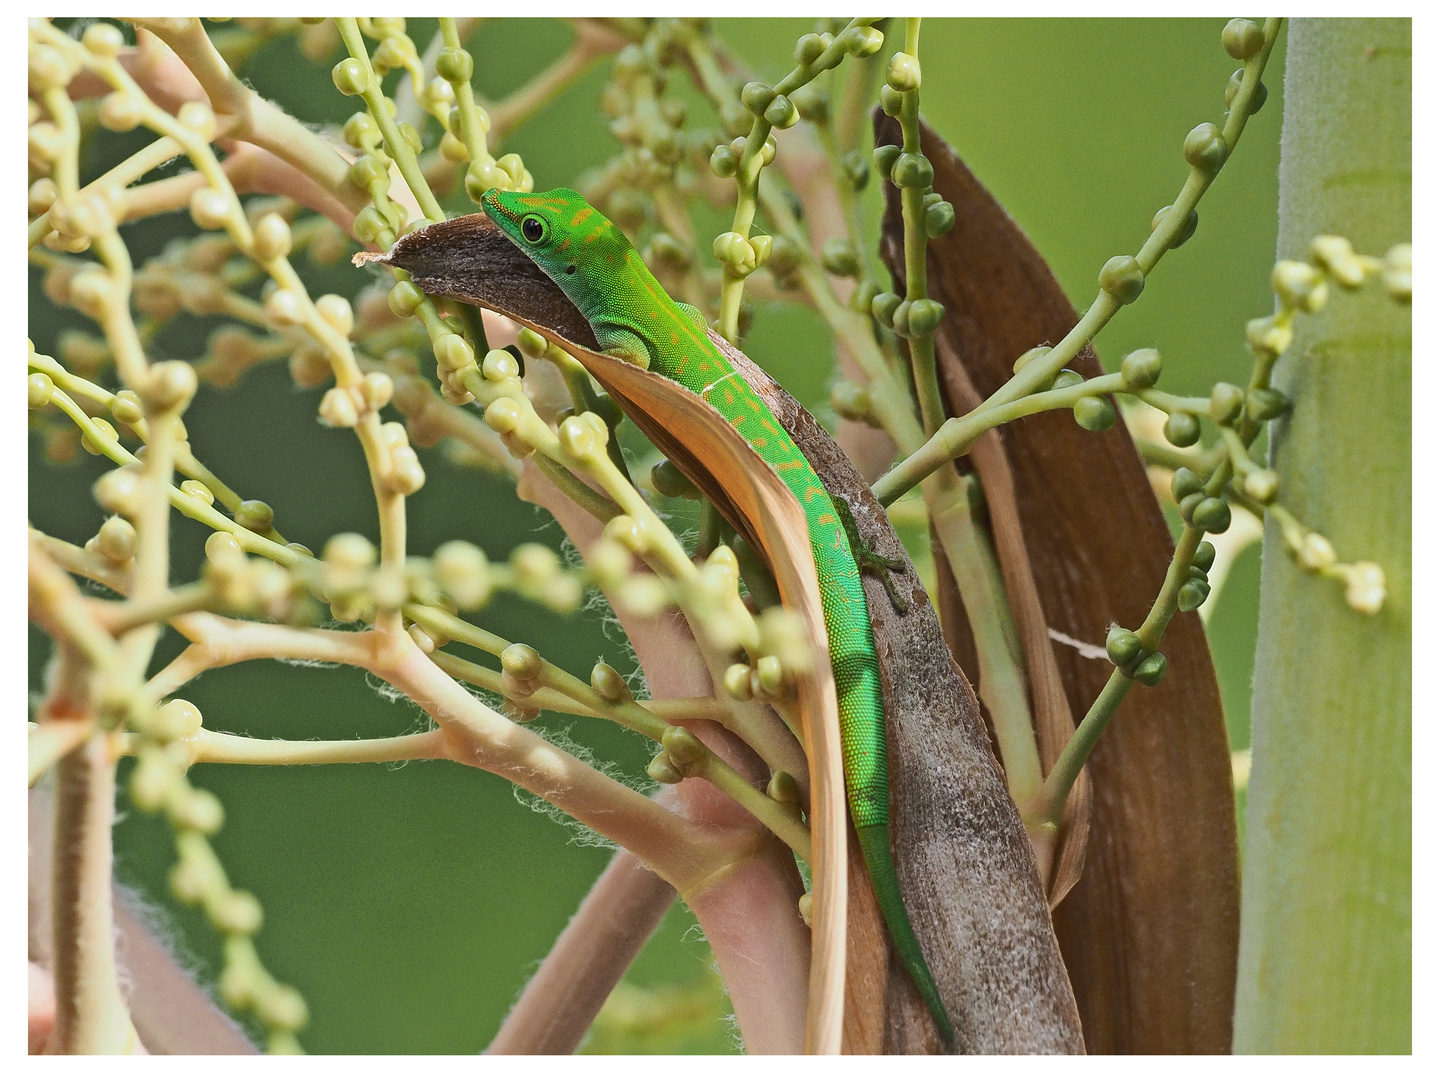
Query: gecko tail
{"points": [[875, 844]]}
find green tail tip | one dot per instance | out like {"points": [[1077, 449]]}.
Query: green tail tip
{"points": [[875, 844]]}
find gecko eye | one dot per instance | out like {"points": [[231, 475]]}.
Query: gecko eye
{"points": [[533, 229]]}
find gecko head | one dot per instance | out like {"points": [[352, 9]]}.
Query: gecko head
{"points": [[549, 226]]}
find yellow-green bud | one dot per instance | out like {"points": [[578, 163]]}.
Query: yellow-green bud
{"points": [[1299, 285], [336, 311], [1365, 587], [771, 674], [40, 388], [351, 77], [193, 808], [463, 571], [103, 39], [117, 540], [736, 681], [903, 73], [222, 547], [177, 719], [349, 552], [121, 111], [199, 118], [1316, 552], [1227, 402], [105, 429]]}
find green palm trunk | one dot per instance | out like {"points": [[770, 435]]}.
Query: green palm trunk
{"points": [[1325, 939]]}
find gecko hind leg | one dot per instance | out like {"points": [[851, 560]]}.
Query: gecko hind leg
{"points": [[868, 559]]}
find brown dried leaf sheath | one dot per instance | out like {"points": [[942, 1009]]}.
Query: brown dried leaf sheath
{"points": [[961, 851], [1150, 931]]}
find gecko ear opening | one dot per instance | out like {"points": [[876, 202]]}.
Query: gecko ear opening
{"points": [[570, 269]]}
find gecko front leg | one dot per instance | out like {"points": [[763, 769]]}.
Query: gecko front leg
{"points": [[868, 559]]}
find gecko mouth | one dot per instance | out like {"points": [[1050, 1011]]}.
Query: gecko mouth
{"points": [[492, 205]]}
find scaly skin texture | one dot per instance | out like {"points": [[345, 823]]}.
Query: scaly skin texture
{"points": [[634, 319]]}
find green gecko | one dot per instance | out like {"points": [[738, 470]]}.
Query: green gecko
{"points": [[636, 321]]}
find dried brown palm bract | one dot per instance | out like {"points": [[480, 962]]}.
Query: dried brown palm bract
{"points": [[1150, 930]]}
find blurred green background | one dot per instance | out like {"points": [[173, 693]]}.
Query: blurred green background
{"points": [[410, 904]]}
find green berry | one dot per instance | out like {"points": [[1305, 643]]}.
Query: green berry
{"points": [[912, 171], [735, 118], [1095, 414], [1205, 148], [1186, 231], [1258, 101], [808, 49], [1227, 402], [1028, 355], [891, 100], [1188, 504], [851, 401], [781, 112], [405, 299], [662, 769], [857, 169], [939, 219], [682, 746], [863, 296], [1122, 646], [670, 481], [1266, 404], [351, 77], [1141, 369], [1242, 38], [360, 129], [884, 158], [723, 162], [1182, 429], [1066, 378], [1185, 482], [784, 256], [367, 171], [862, 41], [813, 103], [884, 306], [924, 316], [756, 97], [1204, 557], [838, 257], [454, 65], [1192, 594], [1122, 278], [1150, 670], [783, 788], [607, 682], [1211, 514], [255, 516]]}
